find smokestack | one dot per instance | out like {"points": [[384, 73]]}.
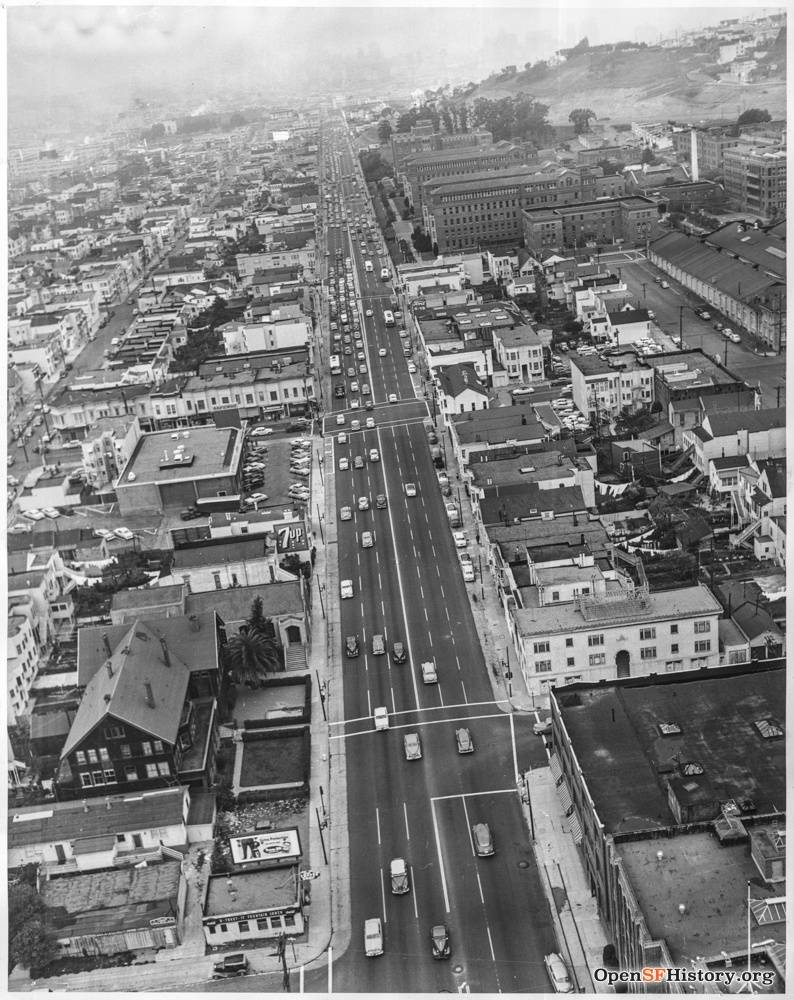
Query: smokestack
{"points": [[106, 641], [149, 694], [164, 647], [694, 155]]}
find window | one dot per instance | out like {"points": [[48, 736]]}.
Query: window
{"points": [[595, 640], [151, 771], [104, 756], [647, 633], [555, 594], [212, 928], [85, 779], [125, 750], [146, 748], [114, 732], [242, 926], [648, 653], [542, 666], [570, 662], [569, 642], [158, 746], [262, 924], [702, 645], [110, 776], [275, 922], [673, 630], [701, 627], [674, 647], [597, 659], [217, 579], [541, 647], [224, 928], [99, 777], [92, 757], [289, 919], [130, 773], [80, 757], [163, 769]]}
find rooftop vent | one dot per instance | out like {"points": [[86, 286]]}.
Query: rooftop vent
{"points": [[769, 729], [669, 729]]}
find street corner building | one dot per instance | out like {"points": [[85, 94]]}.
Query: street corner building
{"points": [[251, 905]]}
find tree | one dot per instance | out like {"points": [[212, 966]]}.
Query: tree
{"points": [[753, 116], [251, 657], [259, 623], [446, 117], [580, 117], [384, 132], [463, 118], [648, 157], [30, 943]]}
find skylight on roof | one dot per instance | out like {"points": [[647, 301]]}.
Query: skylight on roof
{"points": [[776, 252], [770, 729]]}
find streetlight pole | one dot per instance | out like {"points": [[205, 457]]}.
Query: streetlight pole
{"points": [[320, 592], [680, 328], [320, 522]]}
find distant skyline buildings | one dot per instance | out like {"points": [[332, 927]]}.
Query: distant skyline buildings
{"points": [[98, 58]]}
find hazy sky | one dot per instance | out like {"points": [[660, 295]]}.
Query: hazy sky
{"points": [[108, 50]]}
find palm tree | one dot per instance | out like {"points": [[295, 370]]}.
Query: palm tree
{"points": [[251, 656], [258, 623]]}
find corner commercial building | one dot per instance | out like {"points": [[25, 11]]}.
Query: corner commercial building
{"points": [[673, 788]]}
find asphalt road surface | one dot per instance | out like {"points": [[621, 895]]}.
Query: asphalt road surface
{"points": [[408, 587]]}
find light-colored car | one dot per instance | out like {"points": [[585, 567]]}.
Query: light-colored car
{"points": [[344, 464], [411, 368], [463, 741], [469, 575], [363, 503], [373, 937], [340, 418], [558, 973], [542, 728], [380, 718], [346, 514], [358, 462], [354, 386], [460, 539], [367, 540], [398, 876], [370, 423], [367, 312], [261, 431], [410, 489], [102, 532], [34, 514], [259, 497], [374, 456], [482, 840], [382, 352], [365, 389], [378, 645], [412, 746], [355, 404], [341, 438], [524, 391], [346, 588], [392, 397], [124, 533]]}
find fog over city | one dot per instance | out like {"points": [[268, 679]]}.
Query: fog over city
{"points": [[99, 54]]}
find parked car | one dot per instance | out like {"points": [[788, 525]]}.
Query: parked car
{"points": [[351, 645], [230, 966], [190, 513], [558, 973], [373, 937], [463, 741], [346, 514], [380, 717]]}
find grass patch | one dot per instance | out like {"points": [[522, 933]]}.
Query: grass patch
{"points": [[273, 761]]}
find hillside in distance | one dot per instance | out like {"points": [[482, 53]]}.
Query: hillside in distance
{"points": [[649, 84]]}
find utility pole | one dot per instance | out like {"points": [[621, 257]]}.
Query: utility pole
{"points": [[680, 328], [282, 954]]}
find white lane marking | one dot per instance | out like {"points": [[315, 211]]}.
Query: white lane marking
{"points": [[421, 588], [426, 618], [440, 857], [380, 582], [430, 637], [416, 905], [434, 550], [432, 708], [468, 824], [405, 814], [479, 886], [457, 661], [463, 689], [513, 740], [330, 970], [360, 585], [383, 895], [440, 695], [393, 704], [446, 611], [369, 704], [490, 943], [377, 823]]}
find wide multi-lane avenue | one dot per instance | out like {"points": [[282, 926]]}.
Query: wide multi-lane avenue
{"points": [[408, 588]]}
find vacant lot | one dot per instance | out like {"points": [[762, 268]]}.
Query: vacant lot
{"points": [[274, 761]]}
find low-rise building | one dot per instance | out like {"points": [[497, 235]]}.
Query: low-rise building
{"points": [[520, 352], [703, 759], [460, 389], [724, 434], [251, 905]]}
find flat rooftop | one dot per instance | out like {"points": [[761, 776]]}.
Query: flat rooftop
{"points": [[208, 452], [710, 879], [614, 731], [267, 889]]}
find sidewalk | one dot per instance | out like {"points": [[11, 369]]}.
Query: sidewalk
{"points": [[580, 934]]}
